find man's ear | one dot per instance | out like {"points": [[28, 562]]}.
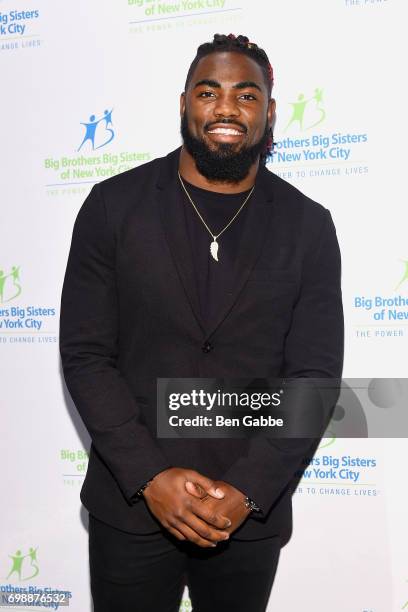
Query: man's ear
{"points": [[182, 103], [271, 112]]}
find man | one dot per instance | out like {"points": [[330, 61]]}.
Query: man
{"points": [[199, 264]]}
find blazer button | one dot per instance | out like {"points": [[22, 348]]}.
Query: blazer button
{"points": [[207, 347]]}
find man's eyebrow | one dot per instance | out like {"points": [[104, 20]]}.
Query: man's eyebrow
{"points": [[216, 84], [208, 82], [245, 84]]}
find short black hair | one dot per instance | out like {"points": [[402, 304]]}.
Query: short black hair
{"points": [[236, 44]]}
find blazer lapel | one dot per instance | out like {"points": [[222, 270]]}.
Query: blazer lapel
{"points": [[255, 230], [175, 228]]}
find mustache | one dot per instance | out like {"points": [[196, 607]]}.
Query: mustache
{"points": [[208, 126]]}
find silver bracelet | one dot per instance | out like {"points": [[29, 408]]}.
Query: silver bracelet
{"points": [[251, 505], [140, 492]]}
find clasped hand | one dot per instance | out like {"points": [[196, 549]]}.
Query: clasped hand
{"points": [[195, 508]]}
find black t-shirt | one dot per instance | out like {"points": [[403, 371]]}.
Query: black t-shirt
{"points": [[217, 209]]}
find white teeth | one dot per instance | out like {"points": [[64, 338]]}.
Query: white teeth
{"points": [[226, 131]]}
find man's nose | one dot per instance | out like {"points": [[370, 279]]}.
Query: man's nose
{"points": [[226, 106]]}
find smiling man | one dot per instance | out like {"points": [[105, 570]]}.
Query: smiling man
{"points": [[199, 264]]}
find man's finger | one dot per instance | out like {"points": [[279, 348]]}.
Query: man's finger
{"points": [[177, 534], [192, 536], [210, 516], [207, 484], [195, 489], [202, 528]]}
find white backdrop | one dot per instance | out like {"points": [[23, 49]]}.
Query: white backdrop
{"points": [[341, 133]]}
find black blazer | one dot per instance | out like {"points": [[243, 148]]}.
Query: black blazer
{"points": [[130, 314]]}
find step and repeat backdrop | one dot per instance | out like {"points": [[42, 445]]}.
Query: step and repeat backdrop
{"points": [[91, 89]]}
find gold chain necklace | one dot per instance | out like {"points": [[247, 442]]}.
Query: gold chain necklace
{"points": [[214, 243]]}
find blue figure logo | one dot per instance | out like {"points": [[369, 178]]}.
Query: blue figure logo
{"points": [[92, 130]]}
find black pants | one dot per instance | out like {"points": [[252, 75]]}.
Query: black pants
{"points": [[147, 573]]}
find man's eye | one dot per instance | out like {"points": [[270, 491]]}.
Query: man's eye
{"points": [[205, 94], [248, 97]]}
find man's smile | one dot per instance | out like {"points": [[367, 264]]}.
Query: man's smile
{"points": [[225, 133]]}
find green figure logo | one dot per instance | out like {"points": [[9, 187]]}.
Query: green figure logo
{"points": [[405, 606], [299, 109], [404, 276], [11, 289], [326, 441], [18, 562]]}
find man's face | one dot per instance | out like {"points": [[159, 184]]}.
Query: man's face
{"points": [[226, 115]]}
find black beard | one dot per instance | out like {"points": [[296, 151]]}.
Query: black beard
{"points": [[224, 163]]}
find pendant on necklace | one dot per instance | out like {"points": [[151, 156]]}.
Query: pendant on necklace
{"points": [[214, 249]]}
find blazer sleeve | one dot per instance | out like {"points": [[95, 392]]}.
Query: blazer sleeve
{"points": [[313, 349], [89, 352]]}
